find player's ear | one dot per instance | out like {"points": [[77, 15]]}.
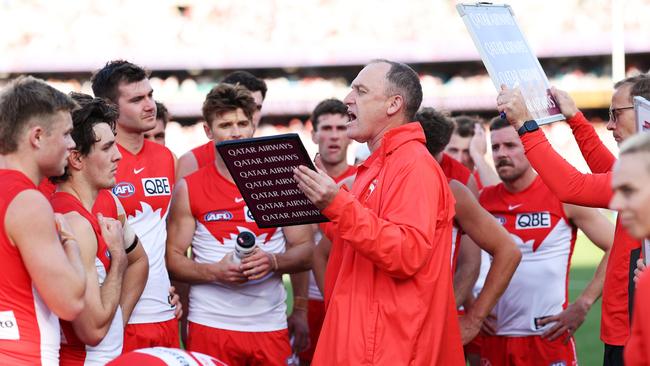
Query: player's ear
{"points": [[395, 105], [207, 130], [75, 159]]}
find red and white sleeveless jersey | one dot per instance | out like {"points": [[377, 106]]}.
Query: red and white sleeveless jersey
{"points": [[204, 154], [144, 186], [73, 351], [314, 291], [160, 356], [29, 331], [536, 221], [221, 215]]}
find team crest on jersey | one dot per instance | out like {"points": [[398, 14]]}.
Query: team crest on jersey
{"points": [[500, 219], [221, 215], [124, 189], [248, 215], [533, 220], [156, 186]]}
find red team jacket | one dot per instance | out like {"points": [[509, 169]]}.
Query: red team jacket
{"points": [[392, 300]]}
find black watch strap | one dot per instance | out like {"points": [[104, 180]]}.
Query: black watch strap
{"points": [[528, 126]]}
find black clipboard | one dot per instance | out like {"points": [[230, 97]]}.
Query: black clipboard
{"points": [[262, 169]]}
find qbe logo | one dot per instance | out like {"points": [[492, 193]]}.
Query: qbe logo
{"points": [[533, 220], [156, 186], [221, 215], [124, 189]]}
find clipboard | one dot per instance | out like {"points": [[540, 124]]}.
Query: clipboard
{"points": [[262, 169]]}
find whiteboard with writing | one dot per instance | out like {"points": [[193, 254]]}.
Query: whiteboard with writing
{"points": [[642, 111], [508, 58]]}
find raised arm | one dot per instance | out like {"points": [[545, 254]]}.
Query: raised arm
{"points": [[564, 180], [596, 154], [53, 264], [477, 150]]}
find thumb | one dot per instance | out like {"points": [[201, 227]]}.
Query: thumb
{"points": [[319, 162]]}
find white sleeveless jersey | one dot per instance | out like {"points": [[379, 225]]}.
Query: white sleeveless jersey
{"points": [[536, 221], [221, 214]]}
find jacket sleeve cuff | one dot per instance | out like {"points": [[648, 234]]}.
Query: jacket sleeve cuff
{"points": [[532, 139], [334, 210], [577, 119]]}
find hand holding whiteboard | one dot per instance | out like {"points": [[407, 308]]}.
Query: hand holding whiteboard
{"points": [[508, 57]]}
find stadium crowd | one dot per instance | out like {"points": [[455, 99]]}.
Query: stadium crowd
{"points": [[436, 250]]}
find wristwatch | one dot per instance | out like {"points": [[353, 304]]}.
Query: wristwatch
{"points": [[528, 126]]}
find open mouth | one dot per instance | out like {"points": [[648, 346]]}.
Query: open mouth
{"points": [[334, 148], [352, 116]]}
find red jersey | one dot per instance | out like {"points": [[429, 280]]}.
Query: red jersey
{"points": [[73, 350], [454, 169], [204, 154], [30, 331], [537, 223], [105, 204], [392, 302], [594, 190], [145, 183]]}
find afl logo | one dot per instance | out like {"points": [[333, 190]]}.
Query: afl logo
{"points": [[124, 190], [221, 215]]}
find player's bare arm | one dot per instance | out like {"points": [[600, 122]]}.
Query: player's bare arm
{"points": [[321, 255], [601, 232], [494, 239], [467, 269], [101, 302], [53, 264]]}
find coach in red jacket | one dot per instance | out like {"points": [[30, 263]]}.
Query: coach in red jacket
{"points": [[389, 291]]}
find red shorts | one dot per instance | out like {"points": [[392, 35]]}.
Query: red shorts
{"points": [[240, 348], [527, 351], [315, 317], [475, 345], [145, 335]]}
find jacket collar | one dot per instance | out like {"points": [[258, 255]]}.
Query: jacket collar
{"points": [[395, 138]]}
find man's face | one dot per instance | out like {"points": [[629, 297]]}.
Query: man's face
{"points": [[137, 107], [631, 185], [100, 165], [231, 125], [257, 116], [508, 154], [622, 110], [458, 148], [56, 145], [156, 135], [367, 102], [332, 138]]}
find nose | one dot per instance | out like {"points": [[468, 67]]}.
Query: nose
{"points": [[348, 98], [611, 125], [118, 155]]}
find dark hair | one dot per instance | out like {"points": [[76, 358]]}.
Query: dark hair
{"points": [[404, 81], [23, 99], [641, 88], [437, 128], [498, 123], [246, 79], [105, 81], [328, 106], [91, 111], [225, 98], [162, 113], [464, 125]]}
